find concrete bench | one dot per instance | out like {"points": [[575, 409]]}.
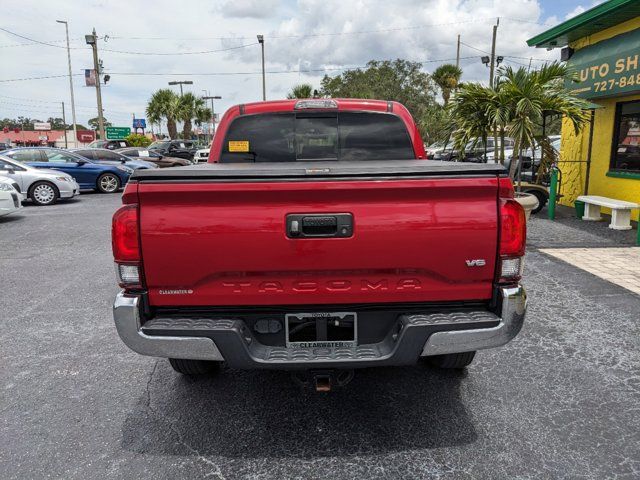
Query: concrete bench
{"points": [[620, 210]]}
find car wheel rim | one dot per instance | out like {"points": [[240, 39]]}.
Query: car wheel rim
{"points": [[109, 183], [44, 194]]}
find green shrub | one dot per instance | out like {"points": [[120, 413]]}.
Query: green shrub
{"points": [[137, 140]]}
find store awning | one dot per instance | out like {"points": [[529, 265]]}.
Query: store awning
{"points": [[607, 68]]}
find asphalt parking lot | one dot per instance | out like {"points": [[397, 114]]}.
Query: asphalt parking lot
{"points": [[561, 401]]}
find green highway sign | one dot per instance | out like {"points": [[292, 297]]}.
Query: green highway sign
{"points": [[117, 133]]}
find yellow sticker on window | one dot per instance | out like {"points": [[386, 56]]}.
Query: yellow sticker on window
{"points": [[238, 145]]}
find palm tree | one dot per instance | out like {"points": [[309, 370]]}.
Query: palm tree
{"points": [[447, 77], [530, 95], [163, 104], [192, 108], [515, 105], [304, 90]]}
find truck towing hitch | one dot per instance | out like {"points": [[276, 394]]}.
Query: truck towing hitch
{"points": [[322, 380]]}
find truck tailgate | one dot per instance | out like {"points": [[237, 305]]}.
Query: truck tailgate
{"points": [[215, 236]]}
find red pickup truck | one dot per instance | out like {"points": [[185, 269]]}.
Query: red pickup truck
{"points": [[318, 239]]}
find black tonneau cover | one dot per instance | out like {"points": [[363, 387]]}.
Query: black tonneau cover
{"points": [[318, 170]]}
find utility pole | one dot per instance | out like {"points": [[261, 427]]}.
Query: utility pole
{"points": [[73, 104], [458, 53], [64, 124], [493, 52], [264, 88], [93, 41], [183, 82], [491, 74]]}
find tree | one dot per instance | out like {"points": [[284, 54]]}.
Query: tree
{"points": [[515, 105], [398, 80], [163, 105], [447, 77], [56, 123], [192, 108], [304, 90], [137, 140], [94, 123]]}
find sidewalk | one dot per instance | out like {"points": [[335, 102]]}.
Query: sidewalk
{"points": [[591, 246]]}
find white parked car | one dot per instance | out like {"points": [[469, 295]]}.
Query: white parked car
{"points": [[42, 186], [10, 197], [201, 155]]}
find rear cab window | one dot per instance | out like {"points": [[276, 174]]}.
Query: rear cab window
{"points": [[311, 136]]}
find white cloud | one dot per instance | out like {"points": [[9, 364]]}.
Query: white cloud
{"points": [[249, 8], [419, 30], [575, 12]]}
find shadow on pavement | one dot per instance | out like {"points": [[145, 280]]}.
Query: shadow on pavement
{"points": [[263, 413]]}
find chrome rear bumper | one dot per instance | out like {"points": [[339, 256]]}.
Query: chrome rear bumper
{"points": [[420, 335], [514, 306]]}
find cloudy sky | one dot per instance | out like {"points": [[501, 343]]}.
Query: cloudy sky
{"points": [[145, 44]]}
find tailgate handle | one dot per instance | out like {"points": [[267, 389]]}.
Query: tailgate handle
{"points": [[319, 225]]}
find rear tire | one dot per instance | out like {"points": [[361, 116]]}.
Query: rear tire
{"points": [[452, 360], [194, 367], [542, 200], [43, 193]]}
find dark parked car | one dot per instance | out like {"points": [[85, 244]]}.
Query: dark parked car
{"points": [[154, 156], [175, 148], [89, 175], [109, 144], [109, 157]]}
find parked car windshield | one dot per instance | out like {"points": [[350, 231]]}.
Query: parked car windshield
{"points": [[159, 145], [291, 137]]}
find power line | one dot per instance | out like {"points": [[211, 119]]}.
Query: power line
{"points": [[162, 74], [38, 78], [178, 53], [37, 41]]}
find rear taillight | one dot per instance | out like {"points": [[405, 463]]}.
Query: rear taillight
{"points": [[126, 246], [513, 236]]}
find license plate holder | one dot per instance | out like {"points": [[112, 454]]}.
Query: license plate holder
{"points": [[321, 330]]}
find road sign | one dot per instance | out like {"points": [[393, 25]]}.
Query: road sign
{"points": [[117, 133]]}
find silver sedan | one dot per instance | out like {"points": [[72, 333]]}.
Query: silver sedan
{"points": [[42, 186]]}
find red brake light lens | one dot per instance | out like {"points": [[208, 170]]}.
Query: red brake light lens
{"points": [[513, 229], [124, 234]]}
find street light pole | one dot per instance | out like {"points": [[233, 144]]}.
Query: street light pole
{"points": [[64, 124], [93, 41], [73, 104], [264, 88], [213, 114], [184, 82]]}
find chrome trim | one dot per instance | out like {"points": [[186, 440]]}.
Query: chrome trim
{"points": [[514, 306], [126, 314]]}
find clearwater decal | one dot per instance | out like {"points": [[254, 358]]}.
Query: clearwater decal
{"points": [[175, 292]]}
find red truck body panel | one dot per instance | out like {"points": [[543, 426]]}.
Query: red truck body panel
{"points": [[225, 243], [346, 104]]}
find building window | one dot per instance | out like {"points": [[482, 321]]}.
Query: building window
{"points": [[626, 141]]}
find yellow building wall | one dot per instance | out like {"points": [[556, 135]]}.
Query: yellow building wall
{"points": [[575, 147]]}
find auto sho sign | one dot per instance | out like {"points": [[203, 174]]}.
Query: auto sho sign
{"points": [[607, 68]]}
